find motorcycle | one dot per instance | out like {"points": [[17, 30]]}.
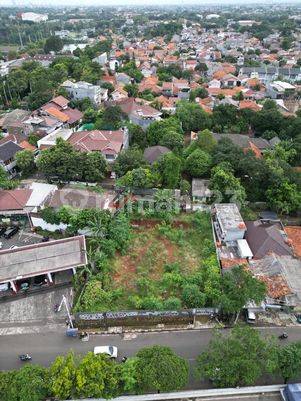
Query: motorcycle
{"points": [[25, 357]]}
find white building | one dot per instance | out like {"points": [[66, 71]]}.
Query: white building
{"points": [[64, 33], [33, 17], [50, 140], [102, 59], [229, 224], [212, 16], [81, 90]]}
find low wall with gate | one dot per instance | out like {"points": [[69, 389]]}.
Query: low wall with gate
{"points": [[142, 319]]}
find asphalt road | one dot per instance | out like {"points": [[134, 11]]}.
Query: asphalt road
{"points": [[45, 347]]}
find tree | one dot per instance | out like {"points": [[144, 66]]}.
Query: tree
{"points": [[94, 167], [284, 198], [62, 376], [132, 90], [224, 116], [224, 362], [238, 288], [192, 117], [160, 369], [173, 141], [5, 182], [61, 160], [206, 141], [25, 161], [30, 383], [53, 43], [170, 167], [192, 296], [128, 160], [227, 151], [201, 93], [137, 136], [128, 375], [139, 178], [198, 163], [96, 376], [156, 130], [268, 119], [289, 361], [226, 186]]}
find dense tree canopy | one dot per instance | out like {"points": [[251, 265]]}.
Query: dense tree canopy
{"points": [[234, 368], [160, 369]]}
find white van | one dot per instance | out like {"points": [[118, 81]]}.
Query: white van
{"points": [[106, 349]]}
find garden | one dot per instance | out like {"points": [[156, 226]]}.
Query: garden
{"points": [[165, 266]]}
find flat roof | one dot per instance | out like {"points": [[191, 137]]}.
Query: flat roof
{"points": [[37, 259], [229, 216]]}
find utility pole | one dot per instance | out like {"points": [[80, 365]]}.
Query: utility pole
{"points": [[64, 301]]}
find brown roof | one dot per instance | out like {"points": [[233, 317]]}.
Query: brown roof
{"points": [[264, 239], [78, 198], [60, 101], [14, 199], [276, 286], [229, 263], [26, 145], [103, 141], [73, 115], [294, 235], [57, 114], [153, 153], [130, 106]]}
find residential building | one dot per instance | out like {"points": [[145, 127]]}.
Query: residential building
{"points": [[43, 258], [8, 152], [109, 143], [280, 90], [34, 17], [102, 59], [154, 153], [229, 224], [81, 90], [266, 238], [139, 113]]}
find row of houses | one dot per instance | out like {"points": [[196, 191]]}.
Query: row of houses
{"points": [[270, 251]]}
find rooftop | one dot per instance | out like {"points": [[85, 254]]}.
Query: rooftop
{"points": [[37, 259], [229, 216]]}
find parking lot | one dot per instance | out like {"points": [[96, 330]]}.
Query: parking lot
{"points": [[23, 237]]}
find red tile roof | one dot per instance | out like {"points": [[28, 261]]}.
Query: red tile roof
{"points": [[57, 114], [103, 141], [14, 199], [294, 235], [60, 101]]}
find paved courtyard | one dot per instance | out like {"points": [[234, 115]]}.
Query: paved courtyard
{"points": [[34, 313]]}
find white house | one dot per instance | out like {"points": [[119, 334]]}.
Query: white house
{"points": [[102, 59], [81, 90], [34, 17]]}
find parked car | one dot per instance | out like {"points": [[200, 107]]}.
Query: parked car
{"points": [[250, 316], [13, 247], [110, 350], [4, 287], [2, 231], [10, 232]]}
